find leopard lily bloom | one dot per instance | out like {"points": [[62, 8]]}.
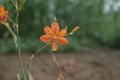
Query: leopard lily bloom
{"points": [[3, 14], [54, 35]]}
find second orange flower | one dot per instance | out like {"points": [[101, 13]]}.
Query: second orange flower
{"points": [[54, 35], [3, 14]]}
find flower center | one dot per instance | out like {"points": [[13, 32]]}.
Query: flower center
{"points": [[54, 36]]}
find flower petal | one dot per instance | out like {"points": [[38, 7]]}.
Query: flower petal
{"points": [[48, 30], [1, 8], [55, 28], [6, 12], [3, 14], [5, 17], [62, 32], [61, 40], [46, 38], [0, 20], [54, 46]]}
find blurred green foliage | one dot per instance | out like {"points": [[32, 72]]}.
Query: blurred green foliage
{"points": [[99, 23]]}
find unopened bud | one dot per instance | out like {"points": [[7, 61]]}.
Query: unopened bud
{"points": [[21, 5], [74, 30], [55, 19], [66, 27], [22, 1]]}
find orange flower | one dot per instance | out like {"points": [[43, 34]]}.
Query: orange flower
{"points": [[54, 35], [3, 14]]}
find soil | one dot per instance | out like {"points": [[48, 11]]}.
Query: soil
{"points": [[89, 65]]}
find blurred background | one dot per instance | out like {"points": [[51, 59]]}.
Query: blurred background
{"points": [[99, 22], [97, 42]]}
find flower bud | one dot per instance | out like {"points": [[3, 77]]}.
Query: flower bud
{"points": [[22, 1], [74, 30], [55, 19]]}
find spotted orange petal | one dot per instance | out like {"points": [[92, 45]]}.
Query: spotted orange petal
{"points": [[62, 32], [1, 8], [48, 30], [61, 40], [6, 12], [3, 14], [55, 28], [46, 38], [54, 46]]}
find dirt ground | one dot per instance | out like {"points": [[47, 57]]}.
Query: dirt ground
{"points": [[88, 65]]}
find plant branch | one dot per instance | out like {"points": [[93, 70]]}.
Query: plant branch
{"points": [[36, 53], [19, 51], [60, 76]]}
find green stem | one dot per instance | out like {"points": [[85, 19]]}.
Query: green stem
{"points": [[33, 56], [11, 32], [18, 76], [16, 40], [21, 62], [19, 51], [17, 16], [11, 20], [13, 2]]}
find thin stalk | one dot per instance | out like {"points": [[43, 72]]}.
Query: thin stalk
{"points": [[18, 76], [17, 16], [11, 20], [60, 76], [11, 32], [21, 62], [16, 40], [13, 2], [40, 49], [36, 53], [19, 51]]}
